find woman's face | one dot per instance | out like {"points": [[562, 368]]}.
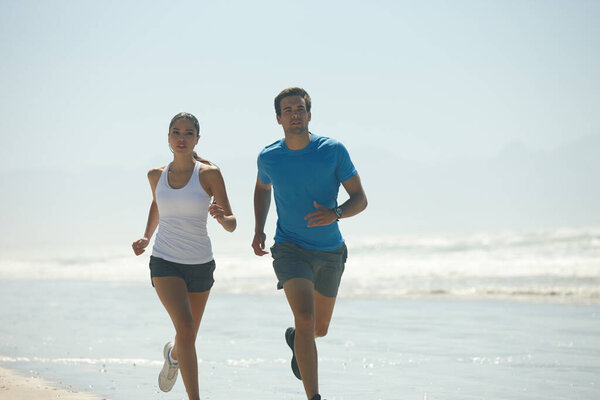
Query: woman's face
{"points": [[183, 136]]}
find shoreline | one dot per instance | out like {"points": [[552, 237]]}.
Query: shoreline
{"points": [[15, 385], [441, 348]]}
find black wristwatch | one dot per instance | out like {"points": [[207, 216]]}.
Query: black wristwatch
{"points": [[338, 211]]}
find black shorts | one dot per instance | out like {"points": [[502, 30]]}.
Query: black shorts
{"points": [[197, 277], [323, 268]]}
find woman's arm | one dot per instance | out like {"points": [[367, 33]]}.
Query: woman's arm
{"points": [[139, 246], [212, 180]]}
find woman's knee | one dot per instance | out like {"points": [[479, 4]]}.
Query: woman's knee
{"points": [[186, 331]]}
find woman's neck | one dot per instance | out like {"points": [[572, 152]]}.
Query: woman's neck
{"points": [[183, 163]]}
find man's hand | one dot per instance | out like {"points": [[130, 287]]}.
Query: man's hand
{"points": [[323, 216], [258, 244]]}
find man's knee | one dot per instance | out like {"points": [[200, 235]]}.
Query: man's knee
{"points": [[321, 331], [305, 321]]}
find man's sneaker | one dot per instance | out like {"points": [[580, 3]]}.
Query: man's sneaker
{"points": [[316, 397], [168, 374], [290, 334]]}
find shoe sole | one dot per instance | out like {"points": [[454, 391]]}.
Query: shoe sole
{"points": [[163, 383], [290, 335]]}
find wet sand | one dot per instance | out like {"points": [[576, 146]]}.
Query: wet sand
{"points": [[107, 339], [18, 386]]}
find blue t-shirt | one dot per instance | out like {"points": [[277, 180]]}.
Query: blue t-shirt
{"points": [[300, 177]]}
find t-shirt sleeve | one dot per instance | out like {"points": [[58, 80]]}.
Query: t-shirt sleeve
{"points": [[263, 176], [344, 169]]}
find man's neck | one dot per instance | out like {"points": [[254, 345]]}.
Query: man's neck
{"points": [[295, 141]]}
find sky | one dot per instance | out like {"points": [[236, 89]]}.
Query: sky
{"points": [[460, 116]]}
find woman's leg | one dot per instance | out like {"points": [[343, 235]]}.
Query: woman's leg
{"points": [[198, 304], [172, 292]]}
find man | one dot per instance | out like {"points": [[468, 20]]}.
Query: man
{"points": [[309, 254]]}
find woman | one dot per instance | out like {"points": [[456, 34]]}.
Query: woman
{"points": [[181, 264]]}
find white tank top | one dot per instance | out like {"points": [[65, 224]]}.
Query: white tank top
{"points": [[182, 235]]}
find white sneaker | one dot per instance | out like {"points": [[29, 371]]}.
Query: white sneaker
{"points": [[168, 374]]}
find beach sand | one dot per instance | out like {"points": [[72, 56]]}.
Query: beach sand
{"points": [[18, 386]]}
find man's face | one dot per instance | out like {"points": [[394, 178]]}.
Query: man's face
{"points": [[294, 117]]}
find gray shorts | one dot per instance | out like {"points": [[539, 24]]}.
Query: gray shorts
{"points": [[323, 268], [197, 277]]}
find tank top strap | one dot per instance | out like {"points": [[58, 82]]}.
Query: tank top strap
{"points": [[197, 185], [196, 175], [162, 181]]}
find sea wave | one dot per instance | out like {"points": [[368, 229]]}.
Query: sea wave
{"points": [[560, 263]]}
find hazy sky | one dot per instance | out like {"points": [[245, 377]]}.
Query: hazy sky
{"points": [[433, 99]]}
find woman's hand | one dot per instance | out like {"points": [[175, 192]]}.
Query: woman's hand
{"points": [[139, 246], [217, 212]]}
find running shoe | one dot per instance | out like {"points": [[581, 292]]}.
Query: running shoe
{"points": [[168, 374], [290, 334]]}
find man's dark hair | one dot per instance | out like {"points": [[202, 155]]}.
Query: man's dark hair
{"points": [[293, 91]]}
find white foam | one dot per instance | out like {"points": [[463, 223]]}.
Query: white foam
{"points": [[81, 361], [553, 263]]}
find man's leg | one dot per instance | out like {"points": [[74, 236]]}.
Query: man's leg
{"points": [[300, 296], [329, 267], [323, 312]]}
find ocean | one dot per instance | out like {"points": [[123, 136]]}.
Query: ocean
{"points": [[560, 264], [486, 316]]}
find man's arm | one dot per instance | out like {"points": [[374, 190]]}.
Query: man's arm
{"points": [[354, 205], [262, 202], [358, 199]]}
